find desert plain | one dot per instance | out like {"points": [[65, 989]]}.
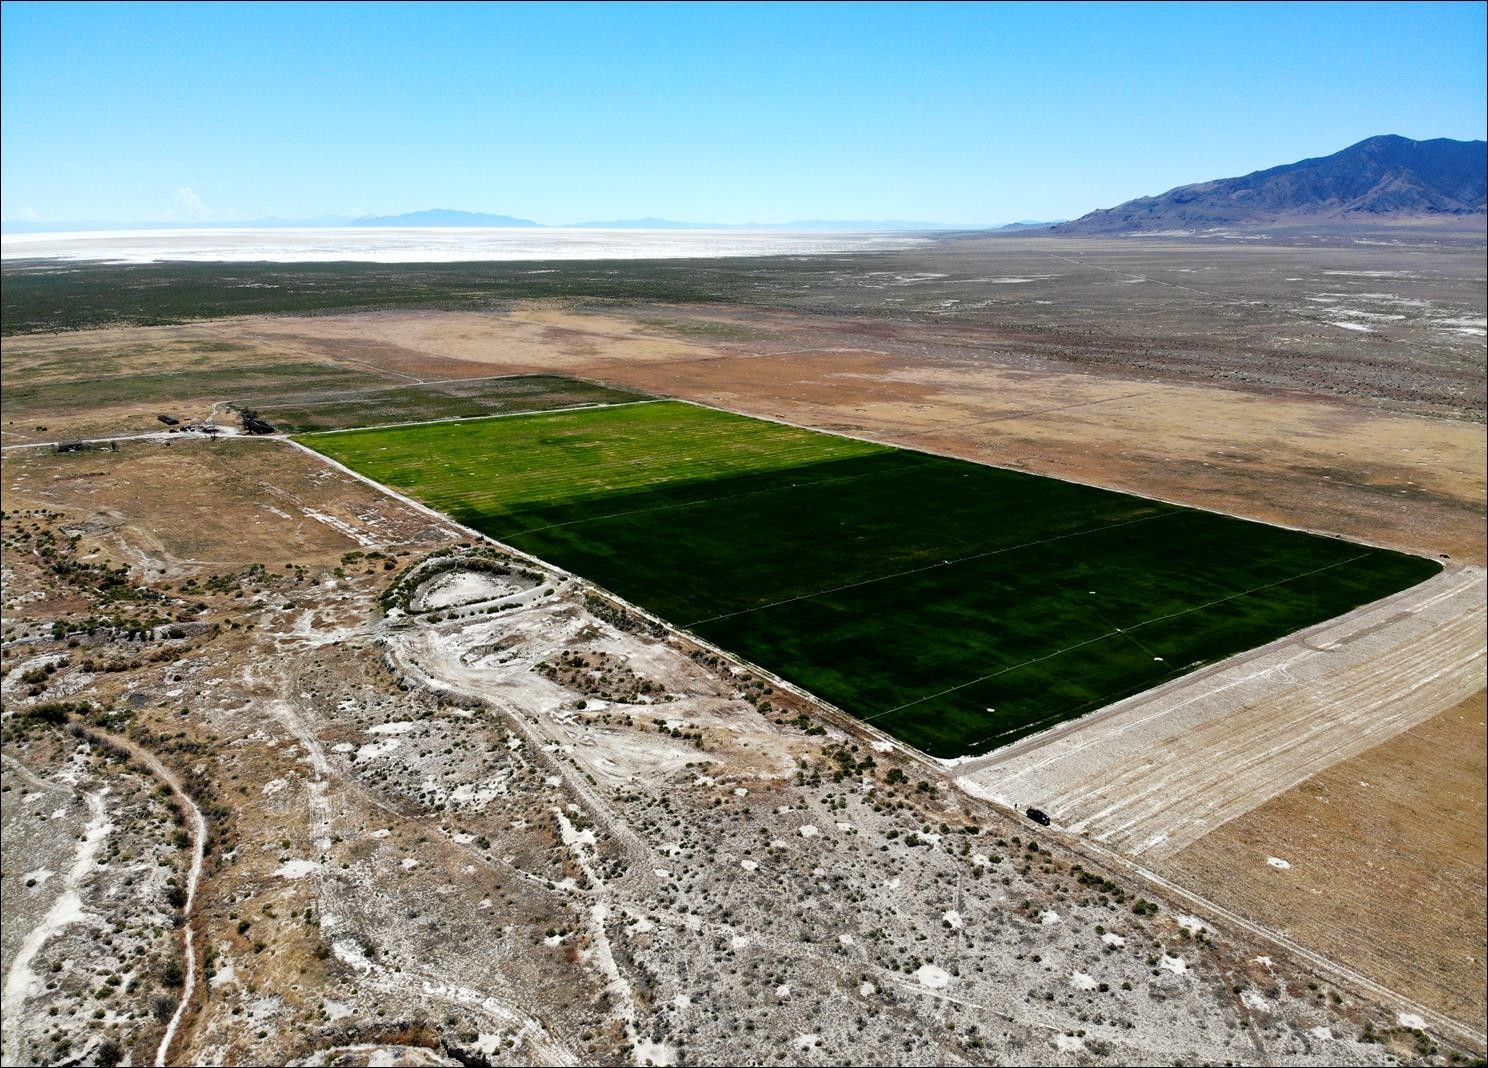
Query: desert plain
{"points": [[306, 772]]}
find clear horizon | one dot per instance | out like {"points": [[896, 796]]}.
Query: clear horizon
{"points": [[349, 222], [429, 245], [721, 113]]}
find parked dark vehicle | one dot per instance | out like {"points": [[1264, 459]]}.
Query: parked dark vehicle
{"points": [[253, 424], [1039, 816]]}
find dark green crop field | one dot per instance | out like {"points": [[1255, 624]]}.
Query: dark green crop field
{"points": [[957, 606]]}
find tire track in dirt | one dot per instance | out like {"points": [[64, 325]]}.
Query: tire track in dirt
{"points": [[66, 909], [1150, 775], [157, 768]]}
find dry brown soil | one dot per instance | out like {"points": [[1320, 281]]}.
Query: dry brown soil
{"points": [[1152, 774], [244, 501], [1353, 465], [1325, 463], [551, 877], [1387, 862]]}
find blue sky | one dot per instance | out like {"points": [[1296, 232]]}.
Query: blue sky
{"points": [[720, 112]]}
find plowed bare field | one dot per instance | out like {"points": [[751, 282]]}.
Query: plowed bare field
{"points": [[1386, 861]]}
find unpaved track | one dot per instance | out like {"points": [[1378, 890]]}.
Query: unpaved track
{"points": [[155, 435], [1152, 774], [153, 764], [497, 1002], [66, 909], [1326, 966]]}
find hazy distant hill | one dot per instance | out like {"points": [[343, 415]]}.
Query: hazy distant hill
{"points": [[449, 218], [635, 224], [1381, 179], [1027, 224], [442, 217], [842, 225]]}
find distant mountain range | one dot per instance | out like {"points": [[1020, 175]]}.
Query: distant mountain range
{"points": [[794, 224], [449, 218], [1382, 179], [1027, 224], [442, 217], [446, 217]]}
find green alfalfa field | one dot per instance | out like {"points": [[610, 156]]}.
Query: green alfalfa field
{"points": [[956, 606]]}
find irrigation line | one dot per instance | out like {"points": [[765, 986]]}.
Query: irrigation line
{"points": [[475, 418], [712, 500], [931, 567], [1112, 633]]}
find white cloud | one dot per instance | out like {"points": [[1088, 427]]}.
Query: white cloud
{"points": [[192, 203]]}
